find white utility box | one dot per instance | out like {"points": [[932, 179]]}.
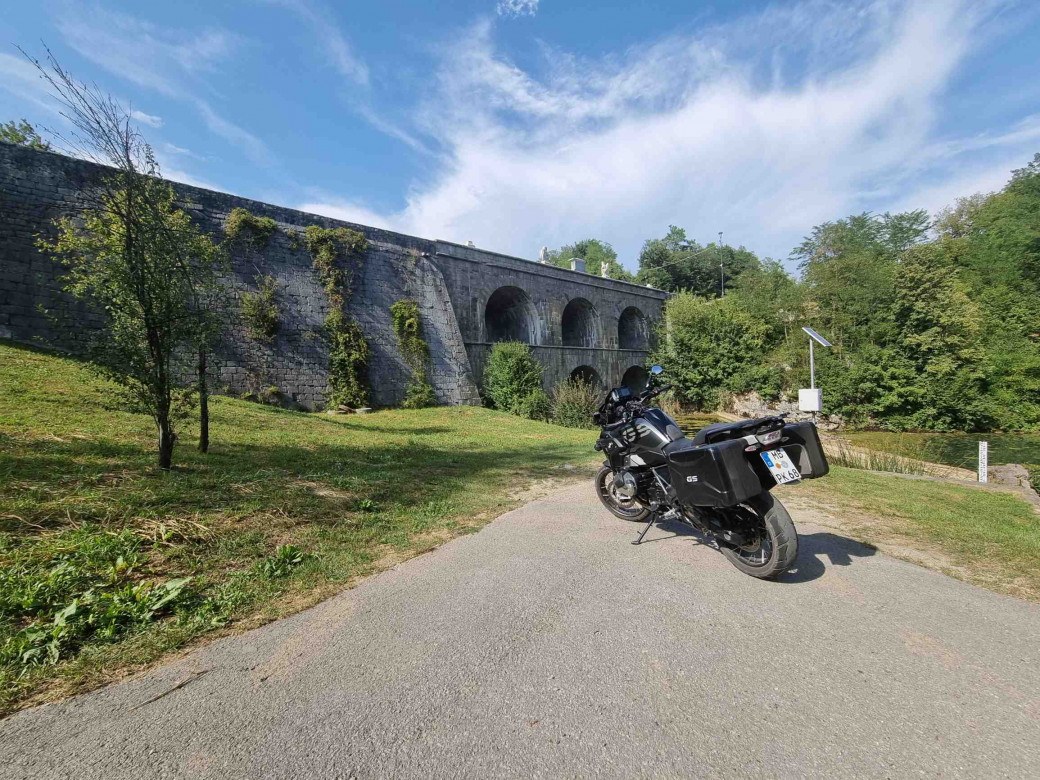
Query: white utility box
{"points": [[810, 400]]}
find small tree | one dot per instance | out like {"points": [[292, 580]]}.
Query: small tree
{"points": [[511, 374], [22, 134], [136, 259]]}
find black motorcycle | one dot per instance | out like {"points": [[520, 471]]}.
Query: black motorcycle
{"points": [[718, 481]]}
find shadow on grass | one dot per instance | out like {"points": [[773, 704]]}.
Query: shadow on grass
{"points": [[105, 480]]}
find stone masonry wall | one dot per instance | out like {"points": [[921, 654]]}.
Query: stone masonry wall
{"points": [[452, 284]]}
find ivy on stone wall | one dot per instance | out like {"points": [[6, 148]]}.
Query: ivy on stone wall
{"points": [[260, 310], [408, 328], [257, 231], [330, 249]]}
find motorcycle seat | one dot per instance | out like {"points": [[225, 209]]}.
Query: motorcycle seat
{"points": [[727, 430]]}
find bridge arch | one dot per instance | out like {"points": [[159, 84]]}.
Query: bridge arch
{"points": [[633, 329], [635, 378], [510, 315], [579, 324], [587, 374]]}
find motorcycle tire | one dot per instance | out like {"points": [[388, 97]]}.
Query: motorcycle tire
{"points": [[776, 549], [626, 509]]}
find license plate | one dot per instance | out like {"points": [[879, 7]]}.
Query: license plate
{"points": [[780, 466]]}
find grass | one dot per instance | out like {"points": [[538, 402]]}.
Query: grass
{"points": [[986, 537], [873, 460], [107, 564]]}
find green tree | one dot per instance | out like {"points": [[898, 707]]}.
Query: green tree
{"points": [[595, 253], [708, 347], [136, 259], [23, 134], [676, 263]]}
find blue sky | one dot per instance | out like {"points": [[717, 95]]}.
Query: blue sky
{"points": [[522, 123]]}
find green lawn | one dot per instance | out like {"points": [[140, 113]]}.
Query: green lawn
{"points": [[993, 538], [286, 509]]}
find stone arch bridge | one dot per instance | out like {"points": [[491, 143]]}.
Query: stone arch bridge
{"points": [[576, 324]]}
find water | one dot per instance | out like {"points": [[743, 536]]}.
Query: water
{"points": [[954, 449]]}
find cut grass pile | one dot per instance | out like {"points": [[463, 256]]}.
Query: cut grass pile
{"points": [[108, 563], [991, 538]]}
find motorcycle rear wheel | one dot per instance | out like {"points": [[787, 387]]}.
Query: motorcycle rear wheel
{"points": [[619, 506], [775, 549]]}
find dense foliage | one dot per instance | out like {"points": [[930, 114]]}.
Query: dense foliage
{"points": [[573, 402], [935, 323], [260, 310], [408, 328], [331, 249], [243, 225], [596, 254], [511, 374], [22, 133]]}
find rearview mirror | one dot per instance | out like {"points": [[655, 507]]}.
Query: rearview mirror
{"points": [[656, 370]]}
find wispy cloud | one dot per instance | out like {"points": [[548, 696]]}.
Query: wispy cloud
{"points": [[146, 119], [165, 60], [726, 129], [338, 51], [517, 7]]}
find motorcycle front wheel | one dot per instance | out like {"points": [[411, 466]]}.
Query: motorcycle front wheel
{"points": [[772, 544], [617, 505]]}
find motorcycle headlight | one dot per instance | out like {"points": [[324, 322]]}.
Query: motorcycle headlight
{"points": [[768, 438]]}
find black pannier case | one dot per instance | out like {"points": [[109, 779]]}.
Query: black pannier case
{"points": [[714, 474], [801, 442]]}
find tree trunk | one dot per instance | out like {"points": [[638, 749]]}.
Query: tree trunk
{"points": [[166, 439], [203, 404]]}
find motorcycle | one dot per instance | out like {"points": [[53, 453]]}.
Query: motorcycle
{"points": [[718, 481]]}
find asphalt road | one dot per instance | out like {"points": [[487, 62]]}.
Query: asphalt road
{"points": [[548, 646]]}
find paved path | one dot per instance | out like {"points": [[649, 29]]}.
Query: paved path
{"points": [[548, 646]]}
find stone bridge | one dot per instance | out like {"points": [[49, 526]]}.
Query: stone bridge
{"points": [[576, 324]]}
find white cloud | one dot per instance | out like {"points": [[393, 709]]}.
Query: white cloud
{"points": [[147, 119], [517, 7], [348, 212], [760, 128], [161, 59], [336, 48]]}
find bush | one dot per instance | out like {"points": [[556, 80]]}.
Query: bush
{"points": [[256, 231], [260, 311], [419, 395], [573, 403], [536, 406], [510, 376]]}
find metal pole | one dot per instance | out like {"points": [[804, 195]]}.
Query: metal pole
{"points": [[812, 367]]}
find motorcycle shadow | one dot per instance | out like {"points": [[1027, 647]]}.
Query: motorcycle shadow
{"points": [[813, 550]]}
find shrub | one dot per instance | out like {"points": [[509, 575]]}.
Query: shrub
{"points": [[259, 310], [419, 395], [536, 406], [407, 324], [511, 375], [573, 403], [348, 349], [256, 231]]}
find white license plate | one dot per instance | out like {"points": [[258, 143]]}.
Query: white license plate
{"points": [[780, 466]]}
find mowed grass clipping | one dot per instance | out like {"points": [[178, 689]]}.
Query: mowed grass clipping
{"points": [[991, 538], [108, 563]]}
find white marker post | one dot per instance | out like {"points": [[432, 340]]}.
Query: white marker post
{"points": [[983, 461]]}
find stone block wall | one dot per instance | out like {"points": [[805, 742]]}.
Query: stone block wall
{"points": [[454, 286]]}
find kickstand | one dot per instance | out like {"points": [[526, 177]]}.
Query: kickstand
{"points": [[653, 519]]}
